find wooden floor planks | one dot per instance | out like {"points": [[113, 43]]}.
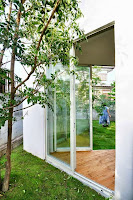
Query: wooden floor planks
{"points": [[97, 165]]}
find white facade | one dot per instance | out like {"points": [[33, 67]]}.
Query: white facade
{"points": [[99, 13], [124, 106]]}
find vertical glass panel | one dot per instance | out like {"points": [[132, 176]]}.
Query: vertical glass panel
{"points": [[58, 115], [82, 85]]}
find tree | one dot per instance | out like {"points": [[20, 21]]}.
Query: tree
{"points": [[108, 100], [112, 93], [95, 81], [37, 33]]}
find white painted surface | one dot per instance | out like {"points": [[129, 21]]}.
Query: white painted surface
{"points": [[72, 115], [124, 101], [90, 108], [33, 131]]}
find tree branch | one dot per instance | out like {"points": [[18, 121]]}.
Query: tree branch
{"points": [[36, 90], [13, 106], [28, 9], [6, 62], [38, 46], [23, 108], [25, 69]]}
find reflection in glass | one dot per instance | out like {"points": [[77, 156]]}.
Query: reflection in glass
{"points": [[82, 85], [58, 115]]}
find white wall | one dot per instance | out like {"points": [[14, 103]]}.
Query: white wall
{"points": [[33, 131], [34, 127], [124, 101]]}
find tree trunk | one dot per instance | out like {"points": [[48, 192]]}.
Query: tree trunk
{"points": [[1, 55], [1, 59], [0, 180], [8, 154], [5, 185]]}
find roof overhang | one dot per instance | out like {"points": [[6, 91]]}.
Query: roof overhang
{"points": [[98, 48]]}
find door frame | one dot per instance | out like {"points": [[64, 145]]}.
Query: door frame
{"points": [[73, 114]]}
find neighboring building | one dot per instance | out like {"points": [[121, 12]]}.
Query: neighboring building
{"points": [[102, 90], [104, 86]]}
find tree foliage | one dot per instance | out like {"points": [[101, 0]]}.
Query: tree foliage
{"points": [[53, 48], [37, 33]]}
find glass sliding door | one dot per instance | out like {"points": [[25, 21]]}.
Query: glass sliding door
{"points": [[82, 98], [58, 114]]}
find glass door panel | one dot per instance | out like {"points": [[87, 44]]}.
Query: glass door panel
{"points": [[82, 89], [58, 115]]}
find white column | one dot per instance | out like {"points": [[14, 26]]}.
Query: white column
{"points": [[72, 114], [124, 101], [55, 133], [90, 102]]}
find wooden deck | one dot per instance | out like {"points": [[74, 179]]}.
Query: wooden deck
{"points": [[97, 165]]}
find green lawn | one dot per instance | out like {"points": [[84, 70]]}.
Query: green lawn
{"points": [[34, 179], [103, 137]]}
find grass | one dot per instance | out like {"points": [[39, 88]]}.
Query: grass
{"points": [[103, 137], [34, 179]]}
